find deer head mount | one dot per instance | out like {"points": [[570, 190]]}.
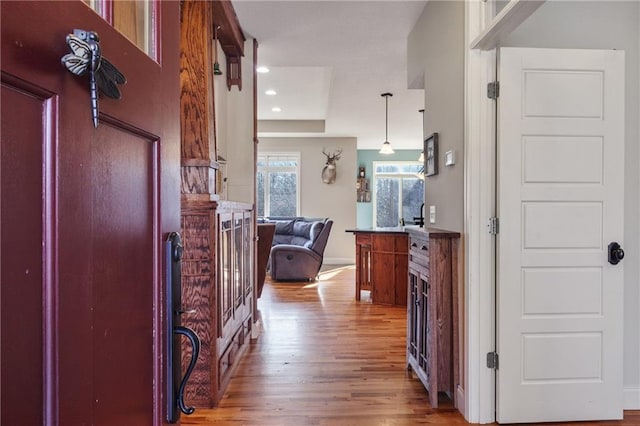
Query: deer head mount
{"points": [[329, 170]]}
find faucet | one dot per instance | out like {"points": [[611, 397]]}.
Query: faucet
{"points": [[420, 220]]}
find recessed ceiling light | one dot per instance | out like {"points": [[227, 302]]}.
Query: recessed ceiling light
{"points": [[270, 92], [276, 109], [262, 70]]}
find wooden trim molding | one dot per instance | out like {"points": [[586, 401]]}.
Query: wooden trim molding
{"points": [[509, 18], [231, 39], [196, 162], [230, 32], [479, 255]]}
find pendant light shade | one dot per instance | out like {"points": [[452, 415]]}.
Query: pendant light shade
{"points": [[386, 146]]}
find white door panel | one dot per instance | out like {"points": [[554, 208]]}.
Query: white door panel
{"points": [[560, 203]]}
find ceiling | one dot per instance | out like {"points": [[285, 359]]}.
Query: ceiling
{"points": [[331, 61]]}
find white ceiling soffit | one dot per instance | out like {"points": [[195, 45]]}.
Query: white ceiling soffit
{"points": [[302, 93], [331, 60]]}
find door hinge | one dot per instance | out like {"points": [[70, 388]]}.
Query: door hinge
{"points": [[492, 360], [493, 90], [493, 226]]}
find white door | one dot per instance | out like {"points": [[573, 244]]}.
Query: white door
{"points": [[560, 203]]}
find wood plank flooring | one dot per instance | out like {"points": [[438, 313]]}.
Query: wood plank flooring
{"points": [[325, 359]]}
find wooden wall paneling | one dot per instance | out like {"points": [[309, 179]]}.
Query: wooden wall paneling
{"points": [[195, 63], [198, 291], [197, 111]]}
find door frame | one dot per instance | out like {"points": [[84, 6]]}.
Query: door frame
{"points": [[483, 32], [482, 35], [480, 204]]}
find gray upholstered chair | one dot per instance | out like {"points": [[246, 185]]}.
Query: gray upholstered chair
{"points": [[299, 258]]}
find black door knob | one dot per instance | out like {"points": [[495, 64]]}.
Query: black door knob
{"points": [[616, 254]]}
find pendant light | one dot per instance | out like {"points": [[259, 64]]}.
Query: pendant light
{"points": [[216, 65], [386, 146]]}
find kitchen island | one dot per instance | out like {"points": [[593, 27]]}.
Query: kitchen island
{"points": [[381, 264]]}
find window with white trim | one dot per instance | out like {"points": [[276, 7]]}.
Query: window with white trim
{"points": [[398, 192], [277, 184]]}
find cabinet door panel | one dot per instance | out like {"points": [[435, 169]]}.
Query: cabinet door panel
{"points": [[400, 291], [412, 315], [384, 278], [225, 271]]}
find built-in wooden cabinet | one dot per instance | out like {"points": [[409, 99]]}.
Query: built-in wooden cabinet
{"points": [[234, 287], [217, 273], [432, 347]]}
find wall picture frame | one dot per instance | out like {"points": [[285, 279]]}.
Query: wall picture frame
{"points": [[431, 155]]}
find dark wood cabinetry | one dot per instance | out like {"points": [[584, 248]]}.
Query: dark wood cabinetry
{"points": [[432, 311], [381, 266], [217, 271], [234, 287]]}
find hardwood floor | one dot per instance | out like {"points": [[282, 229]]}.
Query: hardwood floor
{"points": [[325, 359]]}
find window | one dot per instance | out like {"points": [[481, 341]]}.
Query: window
{"points": [[277, 184], [135, 19], [398, 192]]}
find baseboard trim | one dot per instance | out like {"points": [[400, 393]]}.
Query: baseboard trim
{"points": [[460, 402], [338, 261], [632, 398]]}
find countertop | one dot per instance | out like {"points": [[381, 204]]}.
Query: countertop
{"points": [[414, 229]]}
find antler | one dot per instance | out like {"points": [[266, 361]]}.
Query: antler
{"points": [[337, 154], [333, 157]]}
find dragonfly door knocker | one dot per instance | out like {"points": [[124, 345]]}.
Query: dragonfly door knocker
{"points": [[86, 57]]}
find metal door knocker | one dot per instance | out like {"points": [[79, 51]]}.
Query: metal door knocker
{"points": [[86, 57]]}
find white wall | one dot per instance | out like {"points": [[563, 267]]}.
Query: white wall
{"points": [[336, 201], [606, 25], [240, 144], [436, 54], [234, 123]]}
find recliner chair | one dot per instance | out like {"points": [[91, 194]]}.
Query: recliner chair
{"points": [[303, 259]]}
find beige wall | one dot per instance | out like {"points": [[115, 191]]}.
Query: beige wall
{"points": [[234, 121], [436, 58], [336, 201]]}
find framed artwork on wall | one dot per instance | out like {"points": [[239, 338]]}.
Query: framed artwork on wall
{"points": [[431, 155]]}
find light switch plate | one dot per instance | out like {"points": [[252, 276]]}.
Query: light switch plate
{"points": [[449, 158], [432, 214]]}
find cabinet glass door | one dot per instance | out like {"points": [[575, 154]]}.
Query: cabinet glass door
{"points": [[226, 273], [238, 269]]}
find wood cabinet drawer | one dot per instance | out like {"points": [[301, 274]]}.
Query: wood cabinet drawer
{"points": [[419, 250], [228, 358], [224, 364]]}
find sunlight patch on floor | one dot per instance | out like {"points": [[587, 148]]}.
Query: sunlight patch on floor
{"points": [[331, 273]]}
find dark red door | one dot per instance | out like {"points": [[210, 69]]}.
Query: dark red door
{"points": [[83, 215]]}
